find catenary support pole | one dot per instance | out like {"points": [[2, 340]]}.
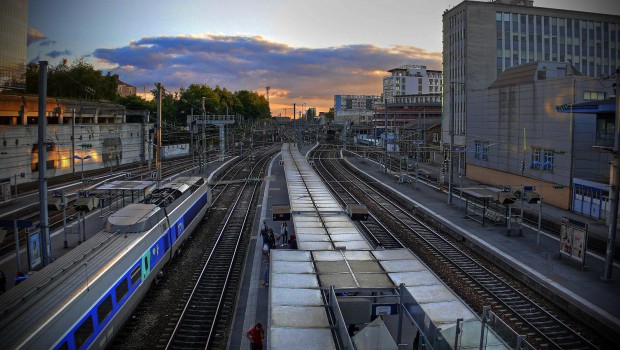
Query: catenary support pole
{"points": [[43, 219], [615, 191], [17, 262], [385, 134], [450, 162]]}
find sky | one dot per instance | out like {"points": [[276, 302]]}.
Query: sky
{"points": [[306, 51]]}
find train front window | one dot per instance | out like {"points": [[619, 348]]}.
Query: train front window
{"points": [[83, 332]]}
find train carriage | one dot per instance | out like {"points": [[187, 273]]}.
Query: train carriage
{"points": [[81, 300]]}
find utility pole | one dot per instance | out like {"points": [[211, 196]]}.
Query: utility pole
{"points": [[451, 142], [191, 136], [160, 87], [452, 127], [615, 191], [385, 165], [72, 140], [204, 141], [43, 219]]}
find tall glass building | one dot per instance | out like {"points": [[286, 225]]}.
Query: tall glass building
{"points": [[13, 43], [482, 39]]}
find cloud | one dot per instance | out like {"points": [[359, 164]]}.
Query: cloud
{"points": [[35, 36], [56, 53], [251, 63]]}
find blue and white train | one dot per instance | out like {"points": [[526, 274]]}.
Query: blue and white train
{"points": [[82, 299]]}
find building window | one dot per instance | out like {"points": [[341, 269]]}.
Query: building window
{"points": [[593, 95], [542, 159], [481, 151]]}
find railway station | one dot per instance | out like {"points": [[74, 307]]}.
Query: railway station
{"points": [[339, 288], [464, 199]]}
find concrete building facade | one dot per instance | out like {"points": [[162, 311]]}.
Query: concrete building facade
{"points": [[80, 128], [13, 41], [519, 136], [354, 108], [482, 39], [411, 80]]}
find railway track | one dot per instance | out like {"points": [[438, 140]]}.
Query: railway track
{"points": [[549, 224], [196, 327], [466, 272], [376, 233], [209, 268]]}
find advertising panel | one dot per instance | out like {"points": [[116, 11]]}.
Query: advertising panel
{"points": [[573, 239], [35, 254]]}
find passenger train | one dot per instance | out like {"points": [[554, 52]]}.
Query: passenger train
{"points": [[81, 300]]}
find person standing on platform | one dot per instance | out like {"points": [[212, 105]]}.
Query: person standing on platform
{"points": [[271, 239], [266, 276], [263, 231], [284, 232], [256, 336], [293, 242]]}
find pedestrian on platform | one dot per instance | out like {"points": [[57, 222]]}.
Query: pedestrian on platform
{"points": [[292, 243], [265, 252], [284, 232], [263, 230], [20, 278], [266, 276], [271, 239], [256, 336], [2, 282]]}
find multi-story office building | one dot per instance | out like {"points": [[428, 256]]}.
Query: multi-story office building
{"points": [[354, 108], [411, 80], [13, 42], [473, 57]]}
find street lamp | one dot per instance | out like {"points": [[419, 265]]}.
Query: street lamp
{"points": [[82, 159]]}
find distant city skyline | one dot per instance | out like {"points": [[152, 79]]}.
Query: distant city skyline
{"points": [[307, 52]]}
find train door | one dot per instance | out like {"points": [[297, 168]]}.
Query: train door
{"points": [[146, 264]]}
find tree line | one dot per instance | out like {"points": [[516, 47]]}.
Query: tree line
{"points": [[80, 80]]}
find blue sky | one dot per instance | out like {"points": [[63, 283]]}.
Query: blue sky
{"points": [[307, 51]]}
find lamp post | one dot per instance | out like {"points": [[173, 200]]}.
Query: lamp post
{"points": [[82, 159], [417, 160]]}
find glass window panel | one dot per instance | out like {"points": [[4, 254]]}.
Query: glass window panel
{"points": [[83, 332], [104, 309]]}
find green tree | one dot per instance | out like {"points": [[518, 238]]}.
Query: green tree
{"points": [[79, 81], [255, 106], [330, 115], [137, 103]]}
